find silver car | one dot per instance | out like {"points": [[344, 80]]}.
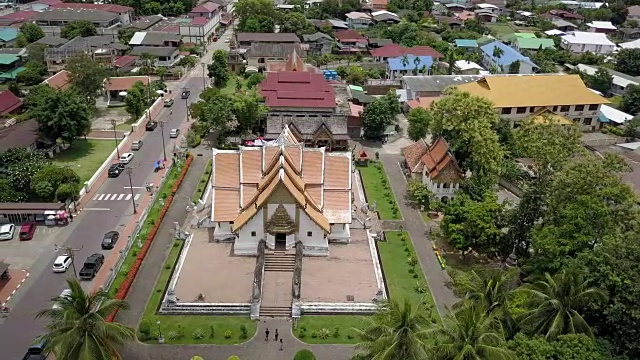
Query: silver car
{"points": [[174, 133], [7, 231], [136, 145]]}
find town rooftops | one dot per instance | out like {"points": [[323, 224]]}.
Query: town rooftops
{"points": [[9, 102], [607, 25], [51, 41], [535, 43], [157, 51], [8, 59], [112, 8], [355, 15], [582, 37], [395, 50], [123, 83], [436, 83], [146, 22], [20, 135], [466, 43], [8, 34], [153, 38], [509, 54], [533, 90], [634, 10], [64, 14], [18, 16], [297, 89], [59, 81], [267, 37], [350, 35], [411, 62], [206, 7]]}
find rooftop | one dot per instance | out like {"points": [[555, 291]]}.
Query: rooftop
{"points": [[509, 54], [395, 50], [357, 15], [64, 14], [8, 33], [8, 102], [466, 43], [20, 135], [51, 41], [467, 65], [602, 25], [156, 51], [8, 59], [58, 81], [620, 79], [535, 43], [206, 7], [436, 83], [123, 83], [533, 90], [267, 37], [112, 8], [582, 37], [410, 62], [146, 22], [154, 38], [350, 35], [297, 89]]}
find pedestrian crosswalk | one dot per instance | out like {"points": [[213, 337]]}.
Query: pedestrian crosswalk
{"points": [[116, 197]]}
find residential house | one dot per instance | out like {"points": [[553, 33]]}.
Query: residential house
{"points": [[375, 43], [51, 41], [155, 39], [164, 56], [395, 50], [489, 7], [18, 18], [634, 13], [408, 64], [259, 55], [465, 15], [244, 40], [319, 43], [116, 87], [534, 44], [358, 20], [604, 27], [620, 80], [145, 23], [103, 48], [10, 66], [456, 7], [59, 80], [379, 4], [206, 9], [21, 135], [485, 16], [449, 21], [498, 56], [635, 44], [10, 104], [613, 116], [564, 25], [354, 120], [333, 24], [125, 13], [305, 103], [579, 42], [125, 63], [350, 41], [54, 19], [418, 87], [518, 97], [386, 17], [465, 67], [629, 33], [467, 44], [8, 36], [435, 166], [199, 30], [562, 14]]}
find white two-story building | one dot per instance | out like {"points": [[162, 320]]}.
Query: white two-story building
{"points": [[579, 42]]}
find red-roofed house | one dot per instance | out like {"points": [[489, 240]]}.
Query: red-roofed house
{"points": [[9, 103], [435, 166], [125, 63], [379, 4], [206, 10], [394, 50], [116, 87], [302, 90], [59, 81], [125, 13], [18, 17], [350, 41]]}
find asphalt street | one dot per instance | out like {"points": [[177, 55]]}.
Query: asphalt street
{"points": [[110, 208]]}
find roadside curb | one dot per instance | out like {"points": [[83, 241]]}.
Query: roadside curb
{"points": [[26, 276]]}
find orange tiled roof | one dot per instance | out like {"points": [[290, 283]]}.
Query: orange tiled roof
{"points": [[438, 157], [413, 153]]}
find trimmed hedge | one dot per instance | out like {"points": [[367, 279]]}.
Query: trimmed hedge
{"points": [[304, 354], [131, 275]]}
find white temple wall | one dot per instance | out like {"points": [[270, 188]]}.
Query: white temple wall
{"points": [[310, 233], [249, 235]]}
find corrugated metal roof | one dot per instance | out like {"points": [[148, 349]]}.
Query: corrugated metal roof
{"points": [[137, 38]]}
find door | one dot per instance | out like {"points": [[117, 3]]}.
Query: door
{"points": [[281, 241]]}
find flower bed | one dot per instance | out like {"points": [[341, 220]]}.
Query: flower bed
{"points": [[125, 286]]}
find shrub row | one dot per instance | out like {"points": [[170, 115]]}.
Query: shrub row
{"points": [[131, 275]]}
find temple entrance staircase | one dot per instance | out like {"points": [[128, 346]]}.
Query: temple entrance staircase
{"points": [[278, 274]]}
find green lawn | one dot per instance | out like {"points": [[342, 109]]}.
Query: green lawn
{"points": [[191, 324], [501, 30], [85, 156], [202, 186], [312, 325], [165, 191], [400, 278], [378, 190], [230, 87]]}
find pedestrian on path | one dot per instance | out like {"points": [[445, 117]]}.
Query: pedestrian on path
{"points": [[266, 335], [280, 344], [277, 335]]}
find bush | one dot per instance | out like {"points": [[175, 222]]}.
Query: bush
{"points": [[412, 261], [302, 334], [173, 335], [243, 331], [336, 331], [145, 329], [420, 287], [304, 354], [233, 357], [197, 358], [212, 332], [350, 336], [197, 334], [228, 334], [324, 333]]}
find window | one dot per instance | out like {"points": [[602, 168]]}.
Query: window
{"points": [[521, 110], [586, 121], [253, 233], [555, 108], [593, 107], [532, 109], [579, 108], [506, 111], [309, 233], [564, 108]]}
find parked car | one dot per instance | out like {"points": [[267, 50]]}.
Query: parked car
{"points": [[61, 264], [126, 158], [185, 94], [115, 170], [151, 125], [174, 133], [64, 293], [7, 231], [110, 239], [91, 266], [27, 231], [168, 103], [36, 351], [136, 145]]}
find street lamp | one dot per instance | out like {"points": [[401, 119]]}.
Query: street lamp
{"points": [[133, 198], [71, 252], [73, 193], [115, 136], [186, 104], [164, 147], [160, 338], [204, 74]]}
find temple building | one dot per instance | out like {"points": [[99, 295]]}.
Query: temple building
{"points": [[282, 192]]}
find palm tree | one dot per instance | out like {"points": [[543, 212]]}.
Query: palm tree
{"points": [[470, 334], [394, 332], [555, 303], [78, 329], [497, 52], [405, 60], [416, 62]]}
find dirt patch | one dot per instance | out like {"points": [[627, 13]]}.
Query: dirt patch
{"points": [[103, 117]]}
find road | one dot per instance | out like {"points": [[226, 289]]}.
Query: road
{"points": [[99, 216]]}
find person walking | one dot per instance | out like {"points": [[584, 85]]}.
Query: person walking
{"points": [[277, 335], [266, 335], [280, 344]]}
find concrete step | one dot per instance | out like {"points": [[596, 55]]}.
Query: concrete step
{"points": [[279, 261], [275, 311]]}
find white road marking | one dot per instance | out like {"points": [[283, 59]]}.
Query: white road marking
{"points": [[97, 209], [136, 197], [135, 187], [128, 197], [120, 197]]}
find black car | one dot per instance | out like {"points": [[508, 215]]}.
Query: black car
{"points": [[185, 94], [115, 170], [36, 351], [151, 125], [110, 239], [91, 266]]}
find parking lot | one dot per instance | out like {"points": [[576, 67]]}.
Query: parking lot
{"points": [[22, 255]]}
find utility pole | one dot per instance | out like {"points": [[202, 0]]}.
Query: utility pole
{"points": [[68, 250], [73, 194], [204, 75], [186, 102], [164, 147], [115, 136], [133, 198]]}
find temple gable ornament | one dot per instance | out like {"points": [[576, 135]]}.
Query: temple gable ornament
{"points": [[281, 222]]}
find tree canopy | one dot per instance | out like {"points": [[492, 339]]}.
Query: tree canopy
{"points": [[136, 100], [256, 16], [218, 70], [81, 28], [86, 75], [628, 61], [380, 114], [31, 32]]}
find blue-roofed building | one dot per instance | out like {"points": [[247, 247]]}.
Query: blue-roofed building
{"points": [[466, 44], [502, 59], [8, 36], [409, 65]]}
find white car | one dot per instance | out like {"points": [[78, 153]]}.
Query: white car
{"points": [[64, 293], [61, 264], [126, 158], [7, 231], [174, 133]]}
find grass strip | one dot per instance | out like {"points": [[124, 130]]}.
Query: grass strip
{"points": [[204, 180], [378, 191]]}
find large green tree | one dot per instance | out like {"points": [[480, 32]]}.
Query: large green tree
{"points": [[631, 99], [380, 114], [20, 166], [295, 22], [136, 100], [394, 332], [86, 75], [77, 328], [31, 32], [46, 182], [601, 81], [556, 302], [215, 111], [628, 61], [251, 13], [81, 28], [218, 70], [466, 122], [564, 347], [248, 109], [418, 119]]}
